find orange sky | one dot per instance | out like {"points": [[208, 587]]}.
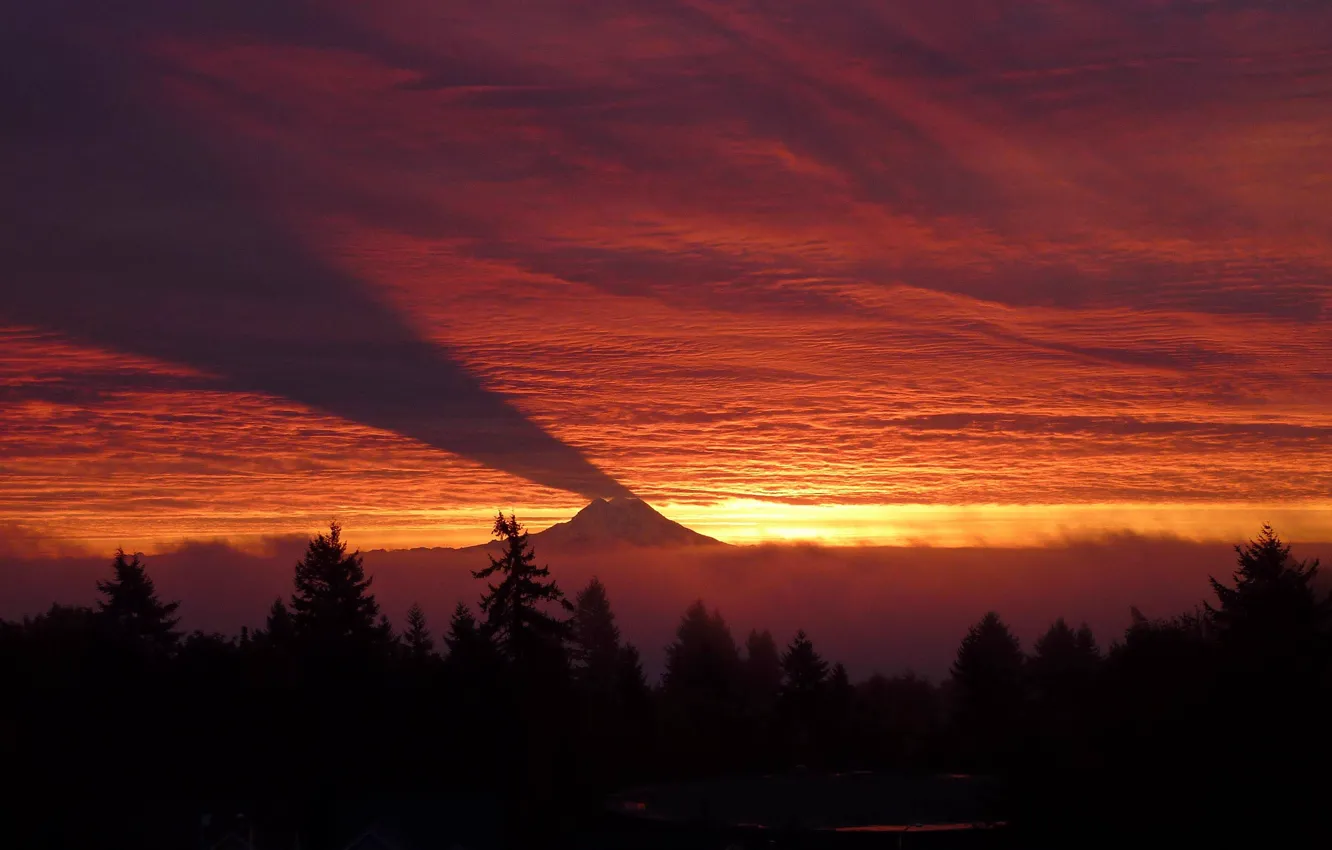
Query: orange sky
{"points": [[982, 272]]}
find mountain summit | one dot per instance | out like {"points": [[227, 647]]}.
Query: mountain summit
{"points": [[622, 521]]}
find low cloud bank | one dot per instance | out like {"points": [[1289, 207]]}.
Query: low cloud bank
{"points": [[875, 609]]}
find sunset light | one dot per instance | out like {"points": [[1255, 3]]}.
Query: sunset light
{"points": [[539, 424]]}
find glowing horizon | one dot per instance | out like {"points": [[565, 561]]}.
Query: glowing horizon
{"points": [[749, 522]]}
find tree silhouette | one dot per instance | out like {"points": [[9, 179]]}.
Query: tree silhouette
{"points": [[1062, 653], [416, 639], [1180, 713], [594, 637], [987, 684], [700, 692], [471, 654], [1086, 644], [332, 605], [760, 683], [704, 657], [279, 629], [804, 677], [1062, 671], [514, 608], [804, 671], [896, 720], [1274, 633], [132, 608], [631, 685], [1272, 615], [840, 691], [762, 670], [463, 633]]}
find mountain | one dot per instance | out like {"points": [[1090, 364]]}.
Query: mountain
{"points": [[622, 521], [605, 524]]}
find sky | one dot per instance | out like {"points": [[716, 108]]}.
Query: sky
{"points": [[962, 273]]}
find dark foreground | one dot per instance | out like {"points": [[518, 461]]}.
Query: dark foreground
{"points": [[327, 730]]}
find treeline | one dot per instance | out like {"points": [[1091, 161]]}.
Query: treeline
{"points": [[119, 730]]}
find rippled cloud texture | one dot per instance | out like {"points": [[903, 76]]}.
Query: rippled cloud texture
{"points": [[867, 254]]}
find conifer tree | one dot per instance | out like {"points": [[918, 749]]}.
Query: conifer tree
{"points": [[417, 640], [470, 651], [280, 630], [594, 637], [131, 605], [839, 683], [1062, 653], [332, 604], [704, 657], [631, 685], [762, 669], [515, 609], [1086, 644], [987, 682], [1273, 602], [804, 672], [464, 633]]}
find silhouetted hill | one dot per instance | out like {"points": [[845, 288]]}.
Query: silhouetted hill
{"points": [[620, 521]]}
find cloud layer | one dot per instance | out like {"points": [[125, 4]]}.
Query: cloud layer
{"points": [[1046, 254]]}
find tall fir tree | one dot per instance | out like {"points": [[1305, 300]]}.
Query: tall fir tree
{"points": [[801, 702], [988, 691], [332, 605], [762, 669], [469, 653], [416, 639], [704, 658], [1063, 654], [594, 638], [516, 612], [804, 672], [631, 685], [839, 684], [131, 606], [1086, 644], [1273, 609], [279, 629], [464, 634]]}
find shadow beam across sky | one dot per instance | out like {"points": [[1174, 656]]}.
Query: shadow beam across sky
{"points": [[122, 228]]}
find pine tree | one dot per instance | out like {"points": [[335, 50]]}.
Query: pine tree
{"points": [[838, 714], [594, 637], [631, 686], [417, 640], [463, 630], [132, 608], [332, 605], [987, 683], [1086, 644], [1273, 600], [804, 671], [704, 657], [1273, 627], [839, 682], [469, 650], [514, 608], [702, 712], [1062, 653], [990, 657], [762, 669], [280, 629]]}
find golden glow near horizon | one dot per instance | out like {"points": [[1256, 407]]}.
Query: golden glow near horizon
{"points": [[754, 522]]}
